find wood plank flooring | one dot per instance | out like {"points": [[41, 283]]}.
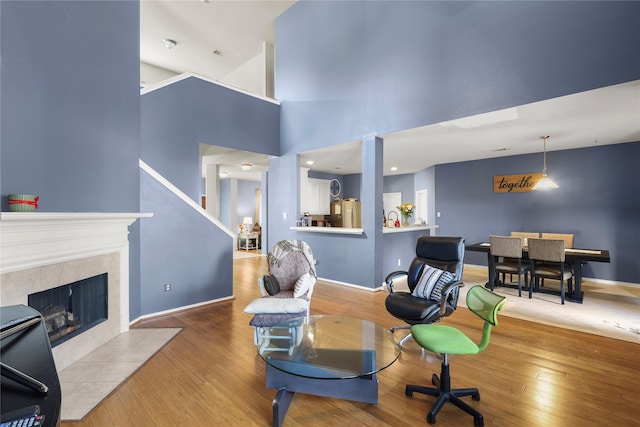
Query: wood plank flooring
{"points": [[530, 375]]}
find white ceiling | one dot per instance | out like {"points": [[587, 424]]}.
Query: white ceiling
{"points": [[238, 29]]}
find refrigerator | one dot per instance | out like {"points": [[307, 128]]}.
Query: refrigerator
{"points": [[346, 213]]}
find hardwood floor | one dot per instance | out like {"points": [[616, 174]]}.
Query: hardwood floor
{"points": [[530, 375]]}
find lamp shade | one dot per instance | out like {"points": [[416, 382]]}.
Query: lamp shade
{"points": [[545, 183], [247, 220]]}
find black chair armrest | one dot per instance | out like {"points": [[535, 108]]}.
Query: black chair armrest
{"points": [[445, 295], [393, 276]]}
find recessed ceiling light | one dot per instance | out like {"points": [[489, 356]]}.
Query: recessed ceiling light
{"points": [[394, 168], [501, 149], [217, 52], [170, 44], [246, 166], [309, 162], [223, 174]]}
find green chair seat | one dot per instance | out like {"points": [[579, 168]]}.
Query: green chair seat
{"points": [[443, 339]]}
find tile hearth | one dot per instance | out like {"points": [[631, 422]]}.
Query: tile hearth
{"points": [[91, 379]]}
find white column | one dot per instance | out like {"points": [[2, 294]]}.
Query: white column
{"points": [[212, 184]]}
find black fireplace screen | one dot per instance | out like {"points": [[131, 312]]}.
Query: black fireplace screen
{"points": [[71, 309]]}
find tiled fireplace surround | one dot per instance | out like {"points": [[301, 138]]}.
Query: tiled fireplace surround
{"points": [[40, 251]]}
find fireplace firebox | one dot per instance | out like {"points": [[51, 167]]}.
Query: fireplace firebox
{"points": [[74, 308]]}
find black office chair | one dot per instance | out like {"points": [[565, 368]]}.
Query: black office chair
{"points": [[439, 252]]}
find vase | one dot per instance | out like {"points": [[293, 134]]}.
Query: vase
{"points": [[405, 220]]}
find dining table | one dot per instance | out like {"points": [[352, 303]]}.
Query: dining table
{"points": [[575, 257]]}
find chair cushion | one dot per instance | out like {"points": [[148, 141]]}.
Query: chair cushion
{"points": [[510, 267], [443, 339], [551, 271], [412, 309], [277, 305], [265, 319], [431, 282]]}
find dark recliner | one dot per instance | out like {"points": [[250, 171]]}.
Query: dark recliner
{"points": [[444, 253]]}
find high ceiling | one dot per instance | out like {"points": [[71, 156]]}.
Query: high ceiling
{"points": [[238, 30]]}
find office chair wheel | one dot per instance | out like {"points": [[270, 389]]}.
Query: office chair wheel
{"points": [[431, 419], [408, 391], [478, 421], [476, 397]]}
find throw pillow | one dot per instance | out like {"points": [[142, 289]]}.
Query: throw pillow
{"points": [[303, 284], [429, 278], [445, 279], [271, 284], [277, 305]]}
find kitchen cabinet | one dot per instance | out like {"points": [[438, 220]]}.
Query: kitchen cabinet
{"points": [[314, 194]]}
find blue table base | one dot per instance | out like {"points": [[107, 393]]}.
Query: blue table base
{"points": [[358, 389]]}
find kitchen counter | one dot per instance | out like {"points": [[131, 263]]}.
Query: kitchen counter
{"points": [[328, 230], [389, 230], [341, 230]]}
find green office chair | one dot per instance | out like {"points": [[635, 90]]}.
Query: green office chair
{"points": [[448, 340]]}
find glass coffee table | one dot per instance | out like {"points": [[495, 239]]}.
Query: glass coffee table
{"points": [[332, 356]]}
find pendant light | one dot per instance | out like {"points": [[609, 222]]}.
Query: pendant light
{"points": [[545, 183]]}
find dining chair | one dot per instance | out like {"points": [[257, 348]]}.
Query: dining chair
{"points": [[568, 238], [507, 255], [547, 262], [525, 235]]}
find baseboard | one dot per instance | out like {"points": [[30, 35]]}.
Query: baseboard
{"points": [[351, 285], [182, 308], [584, 279]]}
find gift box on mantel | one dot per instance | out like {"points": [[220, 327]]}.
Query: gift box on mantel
{"points": [[22, 202]]}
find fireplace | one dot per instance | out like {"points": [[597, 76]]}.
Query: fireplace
{"points": [[46, 250], [72, 309]]}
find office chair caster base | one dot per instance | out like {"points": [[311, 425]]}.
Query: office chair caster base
{"points": [[435, 380]]}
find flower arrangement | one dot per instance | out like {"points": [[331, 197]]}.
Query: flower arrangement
{"points": [[407, 208]]}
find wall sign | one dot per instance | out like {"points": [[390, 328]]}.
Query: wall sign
{"points": [[521, 183]]}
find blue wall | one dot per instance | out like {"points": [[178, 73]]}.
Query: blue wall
{"points": [[179, 117], [247, 199], [70, 109], [175, 120], [180, 247], [70, 105], [350, 69], [598, 201]]}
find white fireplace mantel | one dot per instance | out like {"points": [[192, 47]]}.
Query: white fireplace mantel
{"points": [[42, 250], [33, 239]]}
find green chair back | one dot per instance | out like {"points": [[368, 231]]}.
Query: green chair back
{"points": [[486, 305]]}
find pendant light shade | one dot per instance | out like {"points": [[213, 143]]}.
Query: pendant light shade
{"points": [[545, 183]]}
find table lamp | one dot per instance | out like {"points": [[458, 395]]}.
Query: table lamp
{"points": [[247, 221]]}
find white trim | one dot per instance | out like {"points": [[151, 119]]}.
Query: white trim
{"points": [[184, 307], [175, 190], [350, 285], [187, 75], [34, 239]]}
